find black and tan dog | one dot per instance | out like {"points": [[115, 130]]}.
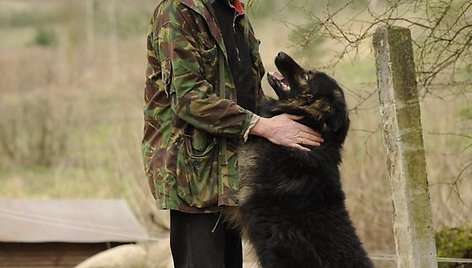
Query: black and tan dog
{"points": [[291, 203]]}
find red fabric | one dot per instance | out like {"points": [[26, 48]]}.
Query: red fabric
{"points": [[237, 5]]}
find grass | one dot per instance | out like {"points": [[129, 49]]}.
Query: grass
{"points": [[454, 242], [99, 117]]}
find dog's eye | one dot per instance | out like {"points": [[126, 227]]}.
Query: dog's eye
{"points": [[307, 75], [309, 97]]}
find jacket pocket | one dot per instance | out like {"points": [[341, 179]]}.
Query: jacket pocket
{"points": [[197, 170], [209, 54], [209, 62]]}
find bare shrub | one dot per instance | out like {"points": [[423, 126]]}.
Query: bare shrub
{"points": [[31, 132]]}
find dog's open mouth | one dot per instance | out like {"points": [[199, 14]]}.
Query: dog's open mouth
{"points": [[278, 81]]}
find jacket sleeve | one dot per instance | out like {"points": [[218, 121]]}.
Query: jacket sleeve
{"points": [[193, 97]]}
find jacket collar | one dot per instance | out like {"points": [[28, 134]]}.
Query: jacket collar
{"points": [[204, 8], [238, 5]]}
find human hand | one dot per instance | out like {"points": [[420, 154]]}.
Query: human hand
{"points": [[284, 130]]}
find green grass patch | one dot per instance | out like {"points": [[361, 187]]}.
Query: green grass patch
{"points": [[465, 113], [20, 19], [45, 37], [454, 243]]}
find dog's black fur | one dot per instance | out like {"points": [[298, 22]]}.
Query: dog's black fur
{"points": [[292, 206]]}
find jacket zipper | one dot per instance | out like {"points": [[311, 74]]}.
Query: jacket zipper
{"points": [[236, 16]]}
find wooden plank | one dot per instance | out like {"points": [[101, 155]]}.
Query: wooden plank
{"points": [[42, 255]]}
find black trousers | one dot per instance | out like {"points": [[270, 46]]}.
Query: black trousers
{"points": [[194, 245]]}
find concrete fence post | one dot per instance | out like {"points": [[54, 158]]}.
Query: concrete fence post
{"points": [[401, 117]]}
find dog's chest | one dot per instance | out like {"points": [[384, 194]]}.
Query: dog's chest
{"points": [[248, 157]]}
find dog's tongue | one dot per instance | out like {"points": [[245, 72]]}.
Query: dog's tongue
{"points": [[278, 76]]}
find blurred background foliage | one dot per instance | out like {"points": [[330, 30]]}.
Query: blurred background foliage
{"points": [[71, 95], [455, 243]]}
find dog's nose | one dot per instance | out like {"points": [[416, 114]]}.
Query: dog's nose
{"points": [[281, 55]]}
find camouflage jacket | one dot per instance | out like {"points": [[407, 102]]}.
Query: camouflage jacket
{"points": [[192, 123]]}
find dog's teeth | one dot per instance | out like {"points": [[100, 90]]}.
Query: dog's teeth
{"points": [[285, 87]]}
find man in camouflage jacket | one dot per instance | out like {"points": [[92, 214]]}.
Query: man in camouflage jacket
{"points": [[186, 118], [193, 124]]}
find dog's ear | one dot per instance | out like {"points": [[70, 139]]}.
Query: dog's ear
{"points": [[339, 118]]}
